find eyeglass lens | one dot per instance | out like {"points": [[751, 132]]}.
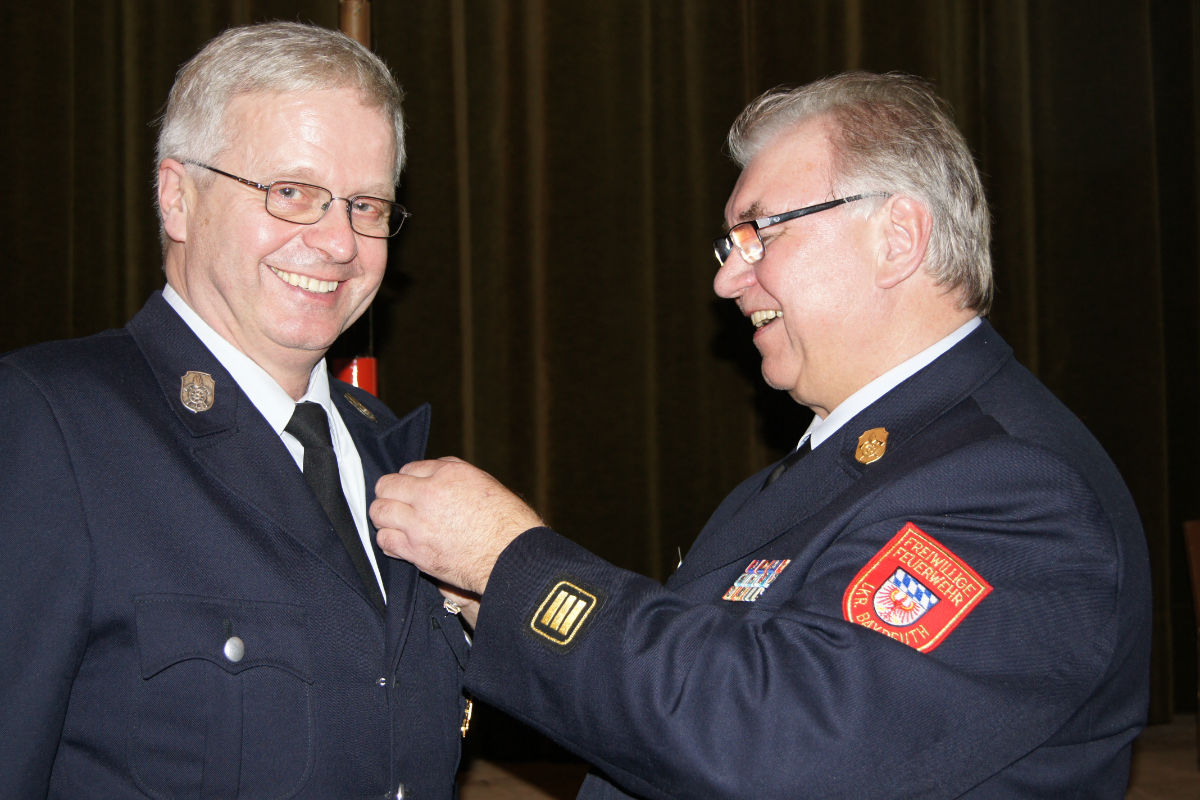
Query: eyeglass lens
{"points": [[305, 204], [745, 238]]}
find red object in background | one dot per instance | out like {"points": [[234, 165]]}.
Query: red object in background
{"points": [[360, 371], [354, 18]]}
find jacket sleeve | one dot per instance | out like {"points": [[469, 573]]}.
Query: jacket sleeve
{"points": [[44, 584], [672, 696]]}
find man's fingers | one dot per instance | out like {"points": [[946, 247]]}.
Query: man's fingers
{"points": [[403, 486], [387, 512], [428, 467], [394, 542], [420, 469], [392, 486]]}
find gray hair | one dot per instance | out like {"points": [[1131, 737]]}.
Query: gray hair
{"points": [[270, 57], [891, 133]]}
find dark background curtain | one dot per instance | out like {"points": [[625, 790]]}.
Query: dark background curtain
{"points": [[552, 294]]}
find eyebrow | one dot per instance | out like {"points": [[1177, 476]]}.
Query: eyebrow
{"points": [[755, 211], [309, 176]]}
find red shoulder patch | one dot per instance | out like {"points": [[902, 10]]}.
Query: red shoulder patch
{"points": [[914, 590]]}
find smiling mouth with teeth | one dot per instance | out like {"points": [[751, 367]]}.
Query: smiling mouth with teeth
{"points": [[305, 282], [760, 318]]}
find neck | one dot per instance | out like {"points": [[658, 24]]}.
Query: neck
{"points": [[290, 367], [294, 384], [913, 333]]}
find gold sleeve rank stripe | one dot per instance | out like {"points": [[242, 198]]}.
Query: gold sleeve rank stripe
{"points": [[563, 612]]}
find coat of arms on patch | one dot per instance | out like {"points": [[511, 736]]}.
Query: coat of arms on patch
{"points": [[903, 600]]}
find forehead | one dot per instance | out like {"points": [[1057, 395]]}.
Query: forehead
{"points": [[328, 134], [792, 170]]}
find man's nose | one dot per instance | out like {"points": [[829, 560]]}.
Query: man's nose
{"points": [[734, 276], [332, 234]]}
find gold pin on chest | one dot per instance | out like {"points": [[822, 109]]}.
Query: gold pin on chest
{"points": [[467, 712]]}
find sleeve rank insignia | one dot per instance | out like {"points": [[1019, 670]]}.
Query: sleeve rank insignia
{"points": [[563, 613], [914, 590]]}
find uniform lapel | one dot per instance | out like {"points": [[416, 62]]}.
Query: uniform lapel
{"points": [[383, 449], [751, 517], [760, 515], [232, 442]]}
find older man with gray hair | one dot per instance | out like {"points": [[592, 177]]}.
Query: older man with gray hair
{"points": [[192, 602], [942, 592]]}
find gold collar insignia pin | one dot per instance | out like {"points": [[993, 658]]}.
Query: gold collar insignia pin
{"points": [[197, 391], [871, 446], [354, 401]]}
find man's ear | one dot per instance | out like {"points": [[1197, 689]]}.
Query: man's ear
{"points": [[176, 193], [907, 224]]}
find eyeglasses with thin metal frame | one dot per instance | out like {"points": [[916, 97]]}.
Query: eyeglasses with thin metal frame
{"points": [[744, 236], [305, 204]]}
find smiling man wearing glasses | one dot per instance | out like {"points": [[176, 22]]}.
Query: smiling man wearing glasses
{"points": [[192, 605], [942, 592]]}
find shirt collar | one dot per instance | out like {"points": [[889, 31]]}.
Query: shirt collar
{"points": [[264, 392], [821, 429]]}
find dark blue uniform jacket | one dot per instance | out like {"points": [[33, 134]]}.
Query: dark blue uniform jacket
{"points": [[137, 538], [962, 611]]}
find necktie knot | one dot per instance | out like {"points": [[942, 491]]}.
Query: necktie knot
{"points": [[310, 426], [792, 457]]}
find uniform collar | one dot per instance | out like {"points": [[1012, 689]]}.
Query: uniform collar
{"points": [[821, 429], [264, 392]]}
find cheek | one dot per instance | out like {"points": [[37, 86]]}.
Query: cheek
{"points": [[373, 265], [239, 242], [273, 236], [276, 243], [372, 255], [820, 289]]}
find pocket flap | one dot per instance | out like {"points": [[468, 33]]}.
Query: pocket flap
{"points": [[233, 634]]}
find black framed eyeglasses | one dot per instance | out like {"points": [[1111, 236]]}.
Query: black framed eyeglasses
{"points": [[744, 236], [305, 204]]}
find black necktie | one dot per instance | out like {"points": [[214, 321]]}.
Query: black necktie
{"points": [[310, 426], [792, 457]]}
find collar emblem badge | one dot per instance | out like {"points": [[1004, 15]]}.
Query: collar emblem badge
{"points": [[197, 391], [871, 446]]}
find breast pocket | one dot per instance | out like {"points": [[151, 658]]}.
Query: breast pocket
{"points": [[224, 705]]}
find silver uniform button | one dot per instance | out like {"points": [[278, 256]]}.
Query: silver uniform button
{"points": [[235, 649]]}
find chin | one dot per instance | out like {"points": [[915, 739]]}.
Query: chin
{"points": [[774, 382], [307, 341]]}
